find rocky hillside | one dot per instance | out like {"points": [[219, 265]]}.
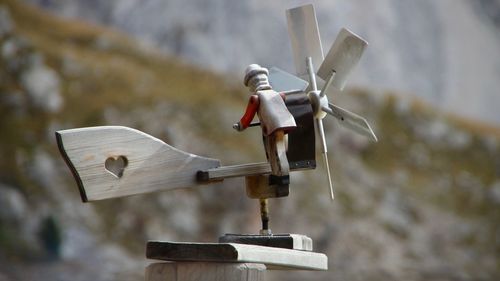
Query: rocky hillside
{"points": [[422, 204], [441, 51]]}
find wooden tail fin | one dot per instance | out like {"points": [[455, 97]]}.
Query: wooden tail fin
{"points": [[113, 161]]}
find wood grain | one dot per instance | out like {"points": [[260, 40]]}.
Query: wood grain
{"points": [[151, 164], [195, 271]]}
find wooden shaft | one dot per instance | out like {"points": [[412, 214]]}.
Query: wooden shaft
{"points": [[223, 172]]}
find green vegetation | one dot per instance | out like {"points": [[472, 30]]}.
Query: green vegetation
{"points": [[14, 246]]}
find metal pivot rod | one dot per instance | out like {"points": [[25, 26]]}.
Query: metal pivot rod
{"points": [[264, 215]]}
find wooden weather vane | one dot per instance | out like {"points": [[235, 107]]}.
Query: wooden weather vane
{"points": [[112, 161]]}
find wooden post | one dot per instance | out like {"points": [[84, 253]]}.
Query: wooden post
{"points": [[196, 271]]}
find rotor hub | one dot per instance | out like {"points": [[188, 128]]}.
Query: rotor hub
{"points": [[318, 102]]}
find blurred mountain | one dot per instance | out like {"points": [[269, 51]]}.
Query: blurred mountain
{"points": [[445, 52], [421, 204]]}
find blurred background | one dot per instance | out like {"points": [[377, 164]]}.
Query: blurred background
{"points": [[421, 204]]}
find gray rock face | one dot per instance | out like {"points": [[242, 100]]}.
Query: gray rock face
{"points": [[443, 51], [14, 206], [5, 22], [42, 85]]}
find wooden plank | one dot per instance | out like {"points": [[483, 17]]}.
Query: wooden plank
{"points": [[195, 271], [114, 161], [273, 258], [286, 241]]}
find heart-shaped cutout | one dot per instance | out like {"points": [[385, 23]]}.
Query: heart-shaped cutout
{"points": [[116, 165]]}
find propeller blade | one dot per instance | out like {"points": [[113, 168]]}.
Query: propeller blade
{"points": [[351, 120], [342, 57], [324, 151], [304, 37], [282, 81]]}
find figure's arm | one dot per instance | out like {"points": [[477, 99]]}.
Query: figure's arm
{"points": [[252, 107]]}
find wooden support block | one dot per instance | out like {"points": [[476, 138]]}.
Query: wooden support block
{"points": [[195, 271], [273, 258], [258, 187]]}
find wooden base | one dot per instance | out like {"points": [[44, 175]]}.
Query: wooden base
{"points": [[272, 258], [195, 271]]}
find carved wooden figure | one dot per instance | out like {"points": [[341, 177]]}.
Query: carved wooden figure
{"points": [[275, 119]]}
